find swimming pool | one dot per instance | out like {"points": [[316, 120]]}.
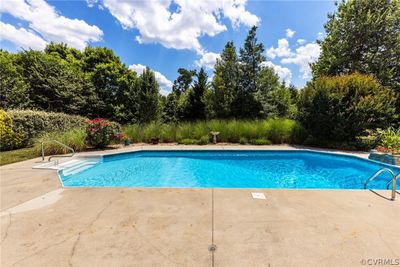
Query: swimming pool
{"points": [[227, 169]]}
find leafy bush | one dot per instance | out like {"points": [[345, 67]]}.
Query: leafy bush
{"points": [[390, 139], [32, 123], [102, 132], [75, 138], [341, 108], [9, 139]]}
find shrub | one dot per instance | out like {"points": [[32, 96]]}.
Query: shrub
{"points": [[389, 139], [75, 138], [132, 131], [9, 139], [204, 140], [341, 108], [243, 140], [188, 141], [102, 132], [32, 124], [260, 141]]}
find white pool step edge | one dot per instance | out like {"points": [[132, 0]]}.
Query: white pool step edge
{"points": [[73, 163]]}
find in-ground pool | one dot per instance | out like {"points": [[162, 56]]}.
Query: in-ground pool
{"points": [[227, 169]]}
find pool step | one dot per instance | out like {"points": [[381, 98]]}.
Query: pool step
{"points": [[53, 166], [78, 167], [70, 166]]}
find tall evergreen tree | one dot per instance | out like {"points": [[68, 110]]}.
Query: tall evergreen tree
{"points": [[225, 82], [148, 97], [191, 104], [251, 57], [170, 109], [197, 97]]}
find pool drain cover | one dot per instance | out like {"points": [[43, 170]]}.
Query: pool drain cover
{"points": [[257, 195], [212, 248]]}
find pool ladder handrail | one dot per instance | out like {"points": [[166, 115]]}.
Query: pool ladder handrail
{"points": [[393, 181], [57, 156]]}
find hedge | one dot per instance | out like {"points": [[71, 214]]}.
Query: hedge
{"points": [[32, 124]]}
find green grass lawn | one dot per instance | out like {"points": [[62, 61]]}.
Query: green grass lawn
{"points": [[7, 157]]}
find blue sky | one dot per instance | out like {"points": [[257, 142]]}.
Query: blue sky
{"points": [[166, 35]]}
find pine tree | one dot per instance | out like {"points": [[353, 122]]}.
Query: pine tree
{"points": [[148, 97], [251, 57], [225, 82]]}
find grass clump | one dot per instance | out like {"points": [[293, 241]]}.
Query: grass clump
{"points": [[188, 141], [260, 142], [75, 138], [231, 131]]}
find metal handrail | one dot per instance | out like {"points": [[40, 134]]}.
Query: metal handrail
{"points": [[394, 178], [58, 156], [393, 182]]}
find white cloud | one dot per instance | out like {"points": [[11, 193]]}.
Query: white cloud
{"points": [[304, 55], [163, 82], [320, 35], [180, 29], [207, 60], [91, 3], [50, 25], [301, 41], [21, 37], [284, 73], [282, 50], [290, 33]]}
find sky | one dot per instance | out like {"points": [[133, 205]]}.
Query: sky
{"points": [[168, 34]]}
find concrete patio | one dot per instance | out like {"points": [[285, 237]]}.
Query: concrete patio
{"points": [[43, 224]]}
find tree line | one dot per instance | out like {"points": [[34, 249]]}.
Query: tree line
{"points": [[92, 83], [95, 83]]}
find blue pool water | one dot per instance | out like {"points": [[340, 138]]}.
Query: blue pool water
{"points": [[229, 169]]}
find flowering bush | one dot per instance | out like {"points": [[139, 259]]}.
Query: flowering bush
{"points": [[102, 132]]}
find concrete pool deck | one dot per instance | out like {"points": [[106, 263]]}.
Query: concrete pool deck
{"points": [[44, 224]]}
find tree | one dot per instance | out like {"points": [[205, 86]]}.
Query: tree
{"points": [[197, 106], [341, 108], [94, 56], [106, 73], [127, 105], [362, 36], [184, 81], [191, 104], [13, 89], [274, 97], [62, 51], [225, 83], [170, 109], [251, 57], [105, 78], [148, 97], [53, 83]]}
